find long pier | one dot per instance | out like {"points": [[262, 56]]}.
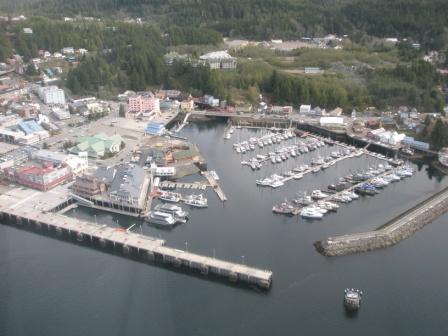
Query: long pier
{"points": [[389, 234], [132, 244]]}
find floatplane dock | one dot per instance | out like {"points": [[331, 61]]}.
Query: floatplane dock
{"points": [[34, 210]]}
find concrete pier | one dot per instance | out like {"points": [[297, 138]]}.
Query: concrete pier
{"points": [[389, 234], [12, 210]]}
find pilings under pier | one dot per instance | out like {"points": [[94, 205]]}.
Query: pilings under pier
{"points": [[389, 234]]}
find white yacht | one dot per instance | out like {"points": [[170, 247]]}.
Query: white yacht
{"points": [[176, 211], [309, 212], [161, 218]]}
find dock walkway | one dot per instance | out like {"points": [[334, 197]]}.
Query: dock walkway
{"points": [[215, 185]]}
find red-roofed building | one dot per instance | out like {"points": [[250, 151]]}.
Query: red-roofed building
{"points": [[42, 177]]}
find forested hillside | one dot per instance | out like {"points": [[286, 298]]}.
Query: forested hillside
{"points": [[423, 20]]}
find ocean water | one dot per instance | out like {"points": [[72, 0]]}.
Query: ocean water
{"points": [[51, 287]]}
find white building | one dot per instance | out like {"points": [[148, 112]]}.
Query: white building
{"points": [[27, 31], [51, 95], [218, 60], [305, 109], [331, 121]]}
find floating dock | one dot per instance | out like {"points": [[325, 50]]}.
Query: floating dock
{"points": [[14, 210], [181, 185], [215, 185], [389, 234]]}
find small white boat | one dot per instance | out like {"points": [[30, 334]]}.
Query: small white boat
{"points": [[310, 212], [197, 201]]}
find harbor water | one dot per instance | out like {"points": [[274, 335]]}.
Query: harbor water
{"points": [[51, 287]]}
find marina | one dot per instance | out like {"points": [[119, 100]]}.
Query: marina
{"points": [[245, 231]]}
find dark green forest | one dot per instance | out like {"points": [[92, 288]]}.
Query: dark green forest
{"points": [[130, 56], [423, 20]]}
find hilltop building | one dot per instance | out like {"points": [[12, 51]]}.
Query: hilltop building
{"points": [[218, 60]]}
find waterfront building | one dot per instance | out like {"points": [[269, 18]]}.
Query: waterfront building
{"points": [[51, 95], [39, 176], [280, 109], [88, 186], [129, 186], [420, 145]]}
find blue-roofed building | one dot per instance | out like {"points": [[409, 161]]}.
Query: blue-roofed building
{"points": [[155, 128], [30, 127], [411, 142]]}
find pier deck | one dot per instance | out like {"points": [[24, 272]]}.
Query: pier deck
{"points": [[14, 210]]}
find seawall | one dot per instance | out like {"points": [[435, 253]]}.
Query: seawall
{"points": [[389, 234]]}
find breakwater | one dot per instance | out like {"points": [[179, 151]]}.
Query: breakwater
{"points": [[389, 234]]}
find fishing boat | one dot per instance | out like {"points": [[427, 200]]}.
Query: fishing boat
{"points": [[283, 209], [352, 299]]}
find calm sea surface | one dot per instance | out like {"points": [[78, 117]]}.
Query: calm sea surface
{"points": [[52, 288]]}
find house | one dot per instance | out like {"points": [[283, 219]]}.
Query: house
{"points": [[27, 31]]}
